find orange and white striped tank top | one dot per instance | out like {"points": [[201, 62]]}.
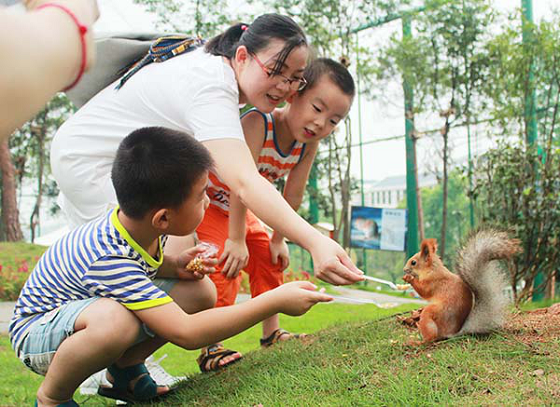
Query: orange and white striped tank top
{"points": [[272, 164]]}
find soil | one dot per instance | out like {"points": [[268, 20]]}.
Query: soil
{"points": [[540, 325]]}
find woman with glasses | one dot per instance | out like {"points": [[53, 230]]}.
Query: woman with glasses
{"points": [[199, 92], [283, 144]]}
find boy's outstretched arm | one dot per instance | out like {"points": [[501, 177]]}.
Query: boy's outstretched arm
{"points": [[332, 263], [216, 324]]}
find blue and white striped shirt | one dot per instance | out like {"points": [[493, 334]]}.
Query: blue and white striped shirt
{"points": [[98, 259]]}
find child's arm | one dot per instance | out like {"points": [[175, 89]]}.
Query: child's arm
{"points": [[216, 324], [293, 193], [331, 262], [235, 254]]}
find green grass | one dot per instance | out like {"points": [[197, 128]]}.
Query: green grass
{"points": [[530, 305], [19, 385], [356, 358]]}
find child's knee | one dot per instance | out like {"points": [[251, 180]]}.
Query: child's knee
{"points": [[112, 322], [195, 296]]}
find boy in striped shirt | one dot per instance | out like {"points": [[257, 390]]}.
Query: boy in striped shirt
{"points": [[93, 300], [287, 147]]}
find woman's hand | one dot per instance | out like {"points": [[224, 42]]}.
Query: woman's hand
{"points": [[332, 263]]}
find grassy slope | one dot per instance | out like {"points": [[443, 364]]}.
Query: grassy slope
{"points": [[18, 384], [368, 364], [362, 362], [354, 360]]}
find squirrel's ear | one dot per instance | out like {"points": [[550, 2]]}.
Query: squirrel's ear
{"points": [[428, 249]]}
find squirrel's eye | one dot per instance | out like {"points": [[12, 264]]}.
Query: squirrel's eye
{"points": [[413, 262]]}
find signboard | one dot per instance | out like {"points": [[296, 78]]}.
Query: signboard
{"points": [[378, 228]]}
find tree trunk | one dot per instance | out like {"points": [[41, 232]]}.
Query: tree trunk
{"points": [[418, 193], [10, 213], [40, 133], [332, 190], [445, 182]]}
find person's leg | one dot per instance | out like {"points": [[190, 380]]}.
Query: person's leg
{"points": [[263, 274], [102, 332], [214, 229], [191, 296]]}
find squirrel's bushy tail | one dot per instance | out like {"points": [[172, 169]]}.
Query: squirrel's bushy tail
{"points": [[476, 266]]}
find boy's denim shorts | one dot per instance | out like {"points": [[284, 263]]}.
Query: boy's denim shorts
{"points": [[48, 332]]}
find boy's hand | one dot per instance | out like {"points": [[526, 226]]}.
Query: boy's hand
{"points": [[332, 263], [205, 265], [297, 297], [235, 255], [279, 251]]}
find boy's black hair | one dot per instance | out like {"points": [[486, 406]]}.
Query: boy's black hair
{"points": [[257, 36], [156, 167], [337, 73]]}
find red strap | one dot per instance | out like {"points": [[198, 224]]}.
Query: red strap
{"points": [[82, 29]]}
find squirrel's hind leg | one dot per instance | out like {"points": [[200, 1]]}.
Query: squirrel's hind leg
{"points": [[428, 327]]}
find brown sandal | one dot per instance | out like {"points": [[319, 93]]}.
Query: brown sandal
{"points": [[214, 354], [275, 337]]}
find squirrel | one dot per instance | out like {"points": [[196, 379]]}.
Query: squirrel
{"points": [[471, 301]]}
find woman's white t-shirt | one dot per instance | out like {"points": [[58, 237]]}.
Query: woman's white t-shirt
{"points": [[195, 92]]}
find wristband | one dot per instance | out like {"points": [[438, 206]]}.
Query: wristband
{"points": [[82, 29]]}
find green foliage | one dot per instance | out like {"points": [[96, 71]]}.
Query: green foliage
{"points": [[519, 191], [517, 69], [29, 148], [458, 214], [17, 260], [204, 18]]}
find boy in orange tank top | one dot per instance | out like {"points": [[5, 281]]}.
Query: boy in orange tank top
{"points": [[287, 146]]}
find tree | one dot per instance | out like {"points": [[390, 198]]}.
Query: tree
{"points": [[203, 18], [11, 228], [456, 222], [528, 204], [30, 146], [329, 24], [445, 62], [517, 183]]}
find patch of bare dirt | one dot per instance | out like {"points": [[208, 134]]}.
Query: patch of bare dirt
{"points": [[541, 325]]}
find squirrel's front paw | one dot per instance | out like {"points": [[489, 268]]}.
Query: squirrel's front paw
{"points": [[408, 278]]}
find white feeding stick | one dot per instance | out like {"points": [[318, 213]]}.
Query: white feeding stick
{"points": [[378, 280]]}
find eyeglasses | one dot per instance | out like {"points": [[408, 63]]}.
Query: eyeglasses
{"points": [[294, 84]]}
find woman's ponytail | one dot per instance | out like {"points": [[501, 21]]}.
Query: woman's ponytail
{"points": [[257, 36], [225, 44]]}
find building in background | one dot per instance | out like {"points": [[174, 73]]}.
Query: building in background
{"points": [[391, 191]]}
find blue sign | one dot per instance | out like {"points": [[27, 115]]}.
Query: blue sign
{"points": [[378, 228]]}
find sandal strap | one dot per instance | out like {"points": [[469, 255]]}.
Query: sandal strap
{"points": [[145, 387], [214, 354], [274, 337], [69, 403]]}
